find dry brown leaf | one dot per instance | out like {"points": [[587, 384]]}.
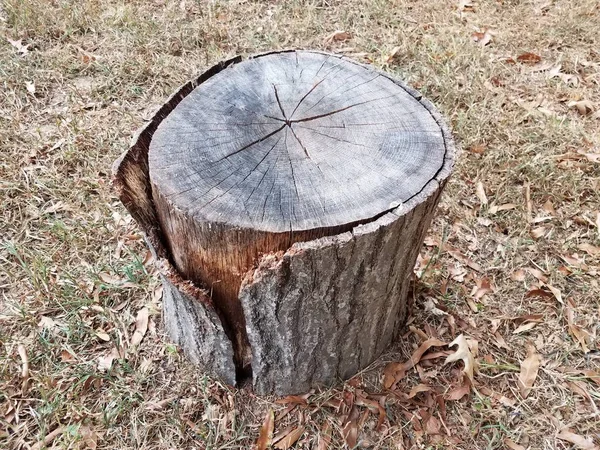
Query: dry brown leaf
{"points": [[49, 438], [529, 58], [549, 208], [513, 445], [338, 36], [393, 372], [24, 360], [141, 326], [500, 342], [105, 362], [102, 336], [538, 232], [556, 292], [324, 437], [590, 249], [537, 274], [583, 107], [290, 439], [417, 389], [576, 439], [478, 149], [433, 425], [462, 353], [393, 55], [592, 375], [462, 258], [350, 433], [89, 437], [539, 293], [295, 399], [459, 392], [525, 327], [480, 191], [576, 331], [504, 207], [518, 275], [483, 38], [529, 371], [266, 431], [18, 44]]}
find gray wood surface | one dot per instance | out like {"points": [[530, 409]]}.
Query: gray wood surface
{"points": [[293, 189]]}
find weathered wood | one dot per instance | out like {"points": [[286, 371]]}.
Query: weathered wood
{"points": [[295, 188]]}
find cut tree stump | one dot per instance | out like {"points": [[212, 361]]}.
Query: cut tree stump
{"points": [[286, 197]]}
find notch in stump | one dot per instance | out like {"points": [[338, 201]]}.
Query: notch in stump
{"points": [[295, 189]]}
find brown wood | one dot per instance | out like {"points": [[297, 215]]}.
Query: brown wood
{"points": [[293, 189]]}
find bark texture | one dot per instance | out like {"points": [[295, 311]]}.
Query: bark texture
{"points": [[327, 308], [287, 197]]}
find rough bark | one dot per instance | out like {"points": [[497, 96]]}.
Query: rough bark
{"points": [[293, 190]]}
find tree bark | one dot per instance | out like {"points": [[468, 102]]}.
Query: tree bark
{"points": [[293, 190]]}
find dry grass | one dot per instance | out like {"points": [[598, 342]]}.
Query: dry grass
{"points": [[74, 273]]}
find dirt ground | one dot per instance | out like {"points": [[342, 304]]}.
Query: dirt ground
{"points": [[510, 264]]}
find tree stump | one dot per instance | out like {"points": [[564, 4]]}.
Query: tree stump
{"points": [[287, 197]]}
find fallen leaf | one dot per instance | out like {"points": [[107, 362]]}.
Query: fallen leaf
{"points": [[513, 445], [102, 336], [105, 362], [89, 436], [480, 191], [295, 399], [338, 36], [459, 392], [592, 375], [576, 331], [525, 327], [266, 431], [350, 433], [49, 438], [529, 371], [24, 360], [477, 148], [518, 275], [324, 437], [529, 58], [505, 207], [290, 439], [584, 107], [537, 274], [579, 441], [141, 326], [538, 232], [482, 38], [18, 44], [579, 388], [590, 249], [393, 372], [556, 292], [462, 258], [66, 356], [549, 208], [538, 293], [392, 55], [462, 353], [417, 389], [433, 425]]}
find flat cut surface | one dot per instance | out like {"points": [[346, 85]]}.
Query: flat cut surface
{"points": [[294, 141]]}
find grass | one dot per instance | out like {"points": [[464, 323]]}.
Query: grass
{"points": [[73, 266]]}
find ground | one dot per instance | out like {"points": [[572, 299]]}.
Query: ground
{"points": [[510, 262]]}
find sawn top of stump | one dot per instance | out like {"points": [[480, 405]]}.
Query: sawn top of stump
{"points": [[296, 141]]}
